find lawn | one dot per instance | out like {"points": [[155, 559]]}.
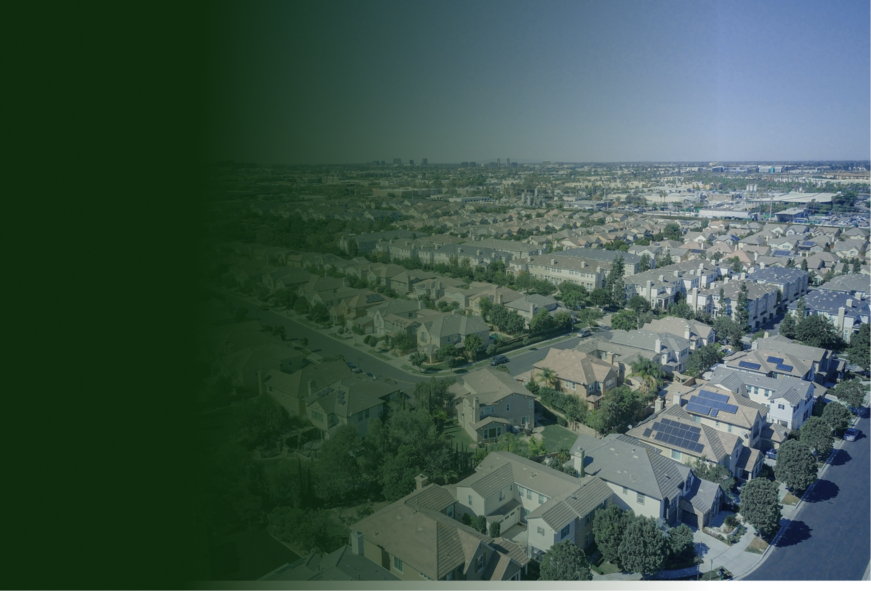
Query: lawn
{"points": [[757, 546], [457, 434], [556, 437], [790, 499]]}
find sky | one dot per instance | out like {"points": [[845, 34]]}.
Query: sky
{"points": [[605, 81]]}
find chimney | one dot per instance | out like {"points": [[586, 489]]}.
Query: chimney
{"points": [[675, 399], [553, 261], [312, 387], [260, 382], [686, 333], [677, 273], [657, 347], [357, 542], [420, 482], [660, 404], [743, 276], [662, 277], [840, 323], [849, 303], [499, 298], [478, 252], [583, 264], [579, 458]]}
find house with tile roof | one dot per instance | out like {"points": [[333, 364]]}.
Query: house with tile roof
{"points": [[420, 538], [699, 334], [554, 506], [645, 481], [351, 401], [449, 328], [671, 350], [577, 374], [678, 435], [348, 563], [846, 312], [789, 400], [489, 403], [792, 283], [726, 411], [292, 389]]}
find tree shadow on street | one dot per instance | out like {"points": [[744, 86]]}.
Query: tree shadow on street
{"points": [[823, 490], [840, 457], [702, 549], [797, 532]]}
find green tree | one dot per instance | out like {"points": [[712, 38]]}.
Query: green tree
{"points": [[795, 467], [817, 435], [666, 260], [680, 541], [338, 470], [760, 505], [787, 325], [804, 265], [742, 313], [418, 359], [624, 320], [837, 417], [472, 344], [799, 310], [614, 283], [644, 263], [481, 524], [565, 562], [650, 372], [495, 529], [537, 446], [818, 331], [542, 321], [548, 376], [638, 304], [644, 548], [241, 314], [600, 297], [851, 392], [609, 524], [562, 319], [860, 347], [619, 406], [352, 248], [447, 353], [262, 420], [703, 358], [301, 306]]}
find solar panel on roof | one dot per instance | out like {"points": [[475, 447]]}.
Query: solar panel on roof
{"points": [[699, 448], [713, 396], [775, 359], [656, 426], [748, 365], [660, 436], [647, 432], [714, 412], [698, 408], [694, 437]]}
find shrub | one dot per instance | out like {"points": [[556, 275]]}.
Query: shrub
{"points": [[731, 521]]}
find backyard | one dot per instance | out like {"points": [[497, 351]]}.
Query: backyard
{"points": [[556, 437]]}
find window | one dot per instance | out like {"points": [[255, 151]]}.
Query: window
{"points": [[531, 403], [781, 407], [675, 455], [528, 494], [564, 532], [520, 491], [541, 499], [508, 407], [625, 490], [639, 499], [697, 418], [449, 577], [480, 564], [501, 495], [729, 427], [450, 510], [511, 487], [470, 500], [366, 413], [397, 564], [541, 531], [588, 518]]}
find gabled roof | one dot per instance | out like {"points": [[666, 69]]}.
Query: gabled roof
{"points": [[491, 386], [576, 366], [451, 324], [715, 444]]}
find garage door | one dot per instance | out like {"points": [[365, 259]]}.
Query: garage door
{"points": [[691, 518]]}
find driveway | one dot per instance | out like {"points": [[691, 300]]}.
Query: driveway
{"points": [[829, 538]]}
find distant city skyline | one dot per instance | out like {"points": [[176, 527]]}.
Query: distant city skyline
{"points": [[566, 82]]}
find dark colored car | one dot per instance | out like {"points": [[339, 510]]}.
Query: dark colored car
{"points": [[499, 360], [851, 434]]}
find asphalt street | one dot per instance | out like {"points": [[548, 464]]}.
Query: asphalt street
{"points": [[830, 536]]}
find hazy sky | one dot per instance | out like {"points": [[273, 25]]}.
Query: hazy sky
{"points": [[575, 81]]}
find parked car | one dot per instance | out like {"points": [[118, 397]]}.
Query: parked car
{"points": [[370, 375], [356, 370], [851, 434], [771, 454], [499, 360], [584, 333]]}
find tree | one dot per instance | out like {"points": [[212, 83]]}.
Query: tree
{"points": [[837, 417], [614, 283], [787, 325], [666, 260], [565, 562], [818, 331], [481, 524], [703, 358], [600, 297], [262, 420], [680, 541], [472, 344], [562, 319], [536, 446], [588, 317], [795, 467], [548, 376], [682, 310], [817, 435], [338, 471], [644, 548], [447, 353], [301, 306], [860, 351], [609, 524], [418, 359], [542, 321], [624, 320], [650, 373], [852, 393], [495, 529], [241, 314], [485, 305], [760, 505], [639, 304], [804, 265], [352, 248], [742, 313], [644, 263], [618, 407], [799, 310]]}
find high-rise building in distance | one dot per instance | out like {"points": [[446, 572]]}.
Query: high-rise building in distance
{"points": [[423, 161]]}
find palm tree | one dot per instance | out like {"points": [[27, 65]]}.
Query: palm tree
{"points": [[548, 376], [649, 372]]}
